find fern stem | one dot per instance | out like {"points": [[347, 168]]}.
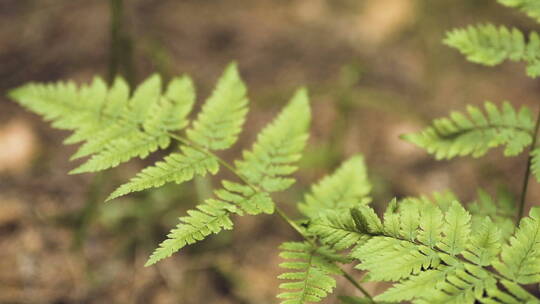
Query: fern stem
{"points": [[121, 46], [525, 185], [280, 212], [225, 164]]}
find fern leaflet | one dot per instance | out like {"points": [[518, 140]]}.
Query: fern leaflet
{"points": [[460, 135], [278, 146], [311, 275], [346, 188], [489, 45]]}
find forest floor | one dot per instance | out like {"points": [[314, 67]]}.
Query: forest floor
{"points": [[375, 70]]}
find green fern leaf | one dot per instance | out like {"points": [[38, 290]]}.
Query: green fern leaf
{"points": [[348, 187], [415, 286], [501, 211], [442, 262], [311, 275], [465, 285], [485, 244], [278, 147], [247, 199], [489, 45], [520, 260], [337, 230], [529, 7], [456, 229], [112, 126], [460, 135], [62, 103], [176, 167], [220, 121], [431, 225], [122, 150], [391, 225], [211, 217], [389, 259]]}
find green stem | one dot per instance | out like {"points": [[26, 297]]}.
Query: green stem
{"points": [[121, 48], [525, 185], [280, 212]]}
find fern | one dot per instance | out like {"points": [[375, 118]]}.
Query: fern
{"points": [[176, 167], [278, 147], [433, 249], [502, 211], [346, 188], [459, 135], [272, 158], [490, 45], [311, 276], [435, 257], [530, 7]]}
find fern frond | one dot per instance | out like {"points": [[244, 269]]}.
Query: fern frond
{"points": [[485, 244], [63, 103], [442, 261], [348, 187], [520, 260], [491, 45], [390, 259], [502, 211], [456, 229], [459, 135], [431, 225], [220, 121], [211, 217], [529, 7], [122, 150], [311, 273], [278, 147], [337, 230], [176, 167], [247, 199], [113, 126]]}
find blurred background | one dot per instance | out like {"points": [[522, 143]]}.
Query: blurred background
{"points": [[375, 69]]}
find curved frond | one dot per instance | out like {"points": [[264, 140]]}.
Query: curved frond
{"points": [[113, 126], [491, 45], [337, 230], [520, 259], [310, 273], [475, 134], [502, 211], [389, 259], [211, 217], [348, 187], [433, 257], [278, 147], [176, 167], [220, 121]]}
